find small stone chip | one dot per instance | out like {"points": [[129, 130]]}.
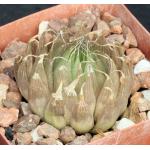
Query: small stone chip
{"points": [[116, 26], [57, 25], [13, 49], [13, 86], [144, 79], [13, 99], [47, 141], [115, 38], [130, 40], [2, 131], [148, 115], [46, 130], [146, 94], [142, 66], [3, 93], [67, 134], [23, 138], [138, 106], [9, 133], [123, 123], [35, 135], [108, 17], [25, 108], [88, 136], [6, 64], [102, 27], [43, 26], [8, 116], [26, 123], [79, 140], [136, 85], [134, 55]]}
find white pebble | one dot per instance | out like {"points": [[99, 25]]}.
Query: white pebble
{"points": [[146, 94], [148, 115], [35, 136], [123, 123], [3, 92], [142, 66], [43, 26], [58, 142]]}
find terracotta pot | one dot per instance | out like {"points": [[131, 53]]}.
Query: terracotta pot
{"points": [[26, 27]]}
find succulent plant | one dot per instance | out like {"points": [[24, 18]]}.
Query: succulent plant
{"points": [[84, 82]]}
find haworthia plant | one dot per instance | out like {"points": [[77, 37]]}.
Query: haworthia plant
{"points": [[83, 82]]}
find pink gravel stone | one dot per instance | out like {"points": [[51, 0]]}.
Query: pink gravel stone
{"points": [[8, 116]]}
